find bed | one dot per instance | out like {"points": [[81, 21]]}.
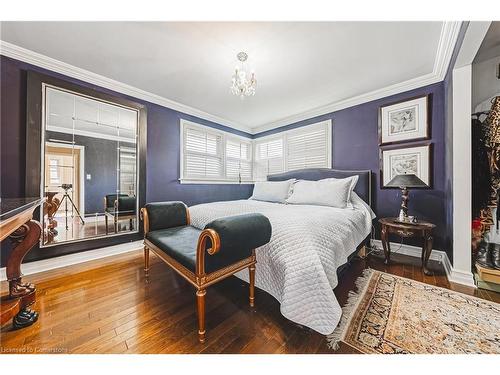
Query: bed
{"points": [[299, 266]]}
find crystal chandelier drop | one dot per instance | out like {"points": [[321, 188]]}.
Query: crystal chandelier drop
{"points": [[242, 85]]}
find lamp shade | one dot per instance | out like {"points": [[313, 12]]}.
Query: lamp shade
{"points": [[406, 180]]}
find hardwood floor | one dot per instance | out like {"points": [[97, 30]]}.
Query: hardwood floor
{"points": [[91, 229], [106, 306]]}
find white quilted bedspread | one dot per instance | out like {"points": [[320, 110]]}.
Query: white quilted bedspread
{"points": [[298, 266]]}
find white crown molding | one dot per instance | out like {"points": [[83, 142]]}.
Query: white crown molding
{"points": [[453, 275], [446, 44], [42, 61], [476, 31], [62, 129], [71, 259]]}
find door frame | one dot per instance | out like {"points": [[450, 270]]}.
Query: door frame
{"points": [[461, 272], [82, 170]]}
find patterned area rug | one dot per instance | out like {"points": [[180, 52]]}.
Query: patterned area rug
{"points": [[392, 314]]}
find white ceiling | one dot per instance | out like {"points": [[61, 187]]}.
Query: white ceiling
{"points": [[299, 66], [490, 47]]}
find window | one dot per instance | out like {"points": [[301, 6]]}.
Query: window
{"points": [[216, 156], [304, 147], [309, 147], [238, 159], [210, 155], [54, 172], [268, 157]]}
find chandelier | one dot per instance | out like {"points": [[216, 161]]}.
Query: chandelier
{"points": [[242, 85]]}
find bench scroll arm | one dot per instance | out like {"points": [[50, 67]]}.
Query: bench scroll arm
{"points": [[206, 235]]}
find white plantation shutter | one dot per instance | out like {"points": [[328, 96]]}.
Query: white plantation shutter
{"points": [[238, 160], [202, 157], [211, 155], [268, 158], [308, 147]]}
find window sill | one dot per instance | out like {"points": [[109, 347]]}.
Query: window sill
{"points": [[214, 182]]}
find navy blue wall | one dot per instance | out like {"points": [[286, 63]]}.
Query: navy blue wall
{"points": [[162, 153], [355, 146], [162, 162]]}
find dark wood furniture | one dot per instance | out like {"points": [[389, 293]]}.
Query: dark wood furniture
{"points": [[16, 223], [421, 229], [50, 209], [229, 242]]}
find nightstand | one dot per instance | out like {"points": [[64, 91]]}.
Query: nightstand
{"points": [[421, 229]]}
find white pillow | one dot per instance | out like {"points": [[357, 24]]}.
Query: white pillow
{"points": [[331, 192], [272, 191]]}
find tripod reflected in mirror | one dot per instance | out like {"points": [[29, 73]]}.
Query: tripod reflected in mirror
{"points": [[69, 204], [66, 197]]}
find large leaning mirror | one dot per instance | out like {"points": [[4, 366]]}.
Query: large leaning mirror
{"points": [[89, 167]]}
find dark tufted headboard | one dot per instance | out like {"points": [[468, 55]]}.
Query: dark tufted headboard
{"points": [[363, 187]]}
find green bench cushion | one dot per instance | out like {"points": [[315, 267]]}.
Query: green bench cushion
{"points": [[163, 215], [179, 242], [239, 235]]}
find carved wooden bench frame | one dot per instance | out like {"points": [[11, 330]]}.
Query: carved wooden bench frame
{"points": [[200, 279]]}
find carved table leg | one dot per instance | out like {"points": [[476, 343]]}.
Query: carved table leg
{"points": [[200, 299], [426, 253], [385, 244], [50, 208], [25, 238]]}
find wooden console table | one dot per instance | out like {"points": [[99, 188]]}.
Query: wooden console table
{"points": [[16, 222], [421, 229]]}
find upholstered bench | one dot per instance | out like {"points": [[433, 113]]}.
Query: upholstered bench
{"points": [[203, 257]]}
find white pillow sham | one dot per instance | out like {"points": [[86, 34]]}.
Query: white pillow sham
{"points": [[331, 192], [272, 191]]}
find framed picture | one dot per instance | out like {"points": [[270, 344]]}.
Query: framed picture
{"points": [[415, 160], [405, 121]]}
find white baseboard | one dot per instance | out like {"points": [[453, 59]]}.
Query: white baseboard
{"points": [[71, 259], [452, 274], [462, 277]]}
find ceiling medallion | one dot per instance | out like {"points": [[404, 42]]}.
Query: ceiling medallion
{"points": [[241, 84]]}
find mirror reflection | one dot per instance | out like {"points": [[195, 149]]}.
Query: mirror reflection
{"points": [[90, 167]]}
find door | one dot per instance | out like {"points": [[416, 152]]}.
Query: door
{"points": [[63, 175]]}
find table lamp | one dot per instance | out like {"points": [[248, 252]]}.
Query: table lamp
{"points": [[405, 181]]}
